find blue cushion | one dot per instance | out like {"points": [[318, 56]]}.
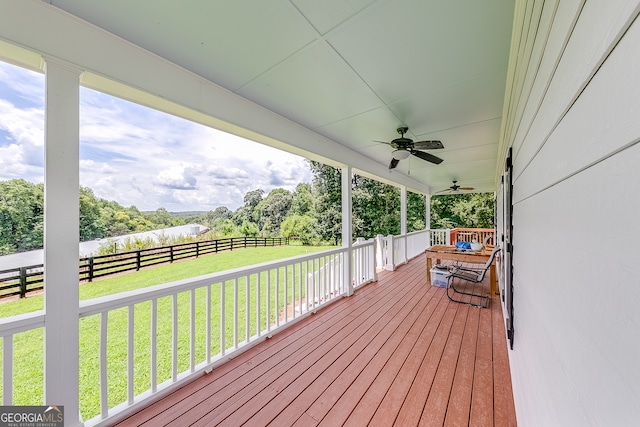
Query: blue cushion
{"points": [[463, 245]]}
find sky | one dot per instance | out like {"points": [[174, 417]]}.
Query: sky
{"points": [[139, 156]]}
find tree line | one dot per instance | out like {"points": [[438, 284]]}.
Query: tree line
{"points": [[311, 213]]}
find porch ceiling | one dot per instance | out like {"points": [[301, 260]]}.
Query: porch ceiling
{"points": [[352, 71]]}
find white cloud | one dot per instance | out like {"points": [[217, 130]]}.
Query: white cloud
{"points": [[21, 143], [89, 166], [177, 178], [138, 156]]}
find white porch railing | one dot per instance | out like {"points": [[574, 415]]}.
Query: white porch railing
{"points": [[393, 251], [364, 262], [10, 328], [440, 237], [141, 344]]}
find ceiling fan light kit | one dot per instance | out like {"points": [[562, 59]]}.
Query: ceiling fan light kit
{"points": [[405, 147], [401, 154]]}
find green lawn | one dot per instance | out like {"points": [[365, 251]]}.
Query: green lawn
{"points": [[28, 349]]}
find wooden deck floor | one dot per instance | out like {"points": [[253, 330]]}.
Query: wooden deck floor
{"points": [[395, 353]]}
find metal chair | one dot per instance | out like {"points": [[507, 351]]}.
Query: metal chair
{"points": [[473, 275]]}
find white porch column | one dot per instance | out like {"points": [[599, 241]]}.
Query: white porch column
{"points": [[403, 210], [346, 227], [427, 211], [403, 221], [427, 215], [61, 236]]}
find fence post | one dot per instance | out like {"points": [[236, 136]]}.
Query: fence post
{"points": [[170, 253], [90, 278], [23, 281], [137, 260], [197, 249]]}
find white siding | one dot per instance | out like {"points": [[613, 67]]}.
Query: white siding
{"points": [[574, 125]]}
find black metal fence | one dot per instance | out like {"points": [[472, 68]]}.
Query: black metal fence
{"points": [[21, 280]]}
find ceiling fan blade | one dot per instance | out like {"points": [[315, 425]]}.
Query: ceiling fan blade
{"points": [[466, 188], [393, 164], [428, 145], [426, 156]]}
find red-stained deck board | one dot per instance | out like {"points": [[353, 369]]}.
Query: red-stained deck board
{"points": [[503, 407], [383, 371], [267, 367], [234, 371], [393, 382], [397, 352], [460, 400], [388, 361], [411, 410], [250, 398], [436, 407], [334, 358], [327, 389], [314, 355], [482, 398]]}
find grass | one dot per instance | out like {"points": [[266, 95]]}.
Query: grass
{"points": [[28, 346]]}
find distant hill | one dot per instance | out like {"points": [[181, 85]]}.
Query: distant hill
{"points": [[182, 214], [187, 214]]}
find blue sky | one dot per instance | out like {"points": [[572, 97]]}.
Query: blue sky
{"points": [[138, 156]]}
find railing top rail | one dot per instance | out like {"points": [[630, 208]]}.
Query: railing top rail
{"points": [[21, 323], [371, 241], [418, 232], [472, 229], [110, 302]]}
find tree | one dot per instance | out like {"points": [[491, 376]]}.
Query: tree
{"points": [[248, 212], [376, 208], [249, 229], [161, 217], [253, 197], [416, 211], [21, 216], [462, 210], [273, 210], [209, 219], [91, 224], [227, 228], [441, 216], [119, 220], [303, 200], [222, 212], [375, 205], [301, 226], [475, 211], [327, 191]]}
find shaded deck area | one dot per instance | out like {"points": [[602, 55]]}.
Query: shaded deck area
{"points": [[395, 353]]}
